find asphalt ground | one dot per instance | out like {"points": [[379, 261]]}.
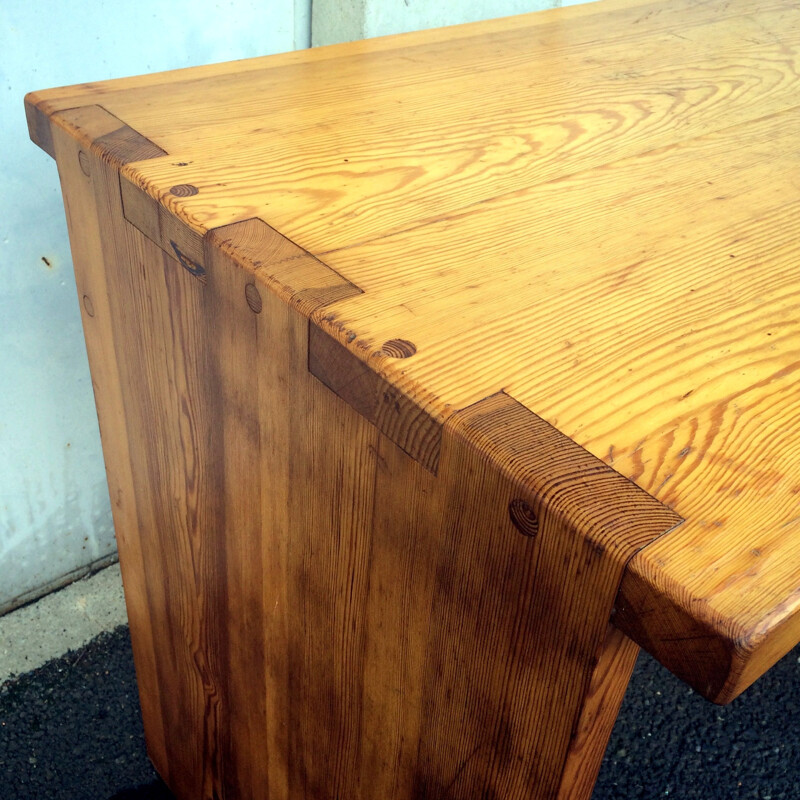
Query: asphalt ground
{"points": [[71, 730]]}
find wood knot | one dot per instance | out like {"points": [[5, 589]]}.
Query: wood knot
{"points": [[83, 160], [253, 297], [183, 190], [87, 304], [523, 517], [398, 348]]}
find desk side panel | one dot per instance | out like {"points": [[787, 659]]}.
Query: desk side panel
{"points": [[321, 616], [327, 617]]}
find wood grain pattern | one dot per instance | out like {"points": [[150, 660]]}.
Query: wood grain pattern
{"points": [[88, 185], [615, 663], [267, 514], [163, 370], [163, 228], [538, 128], [272, 517], [297, 277], [106, 135], [517, 600], [39, 128], [554, 260], [394, 414], [694, 394]]}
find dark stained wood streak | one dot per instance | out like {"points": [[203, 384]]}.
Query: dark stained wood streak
{"points": [[298, 522], [396, 415], [192, 267], [186, 402], [536, 608]]}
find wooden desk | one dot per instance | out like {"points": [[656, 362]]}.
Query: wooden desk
{"points": [[417, 361]]}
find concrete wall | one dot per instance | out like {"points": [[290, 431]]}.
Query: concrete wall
{"points": [[55, 519], [346, 20]]}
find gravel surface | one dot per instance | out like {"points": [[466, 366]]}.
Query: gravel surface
{"points": [[71, 731]]}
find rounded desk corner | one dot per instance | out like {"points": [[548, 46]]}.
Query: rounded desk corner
{"points": [[39, 124], [717, 656]]}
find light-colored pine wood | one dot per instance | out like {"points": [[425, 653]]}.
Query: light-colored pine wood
{"points": [[153, 304], [304, 643], [376, 308], [401, 156], [84, 178]]}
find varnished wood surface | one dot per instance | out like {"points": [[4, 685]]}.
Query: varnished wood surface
{"points": [[316, 614], [615, 664], [595, 212], [89, 206]]}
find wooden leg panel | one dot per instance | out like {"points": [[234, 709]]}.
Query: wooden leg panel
{"points": [[601, 704]]}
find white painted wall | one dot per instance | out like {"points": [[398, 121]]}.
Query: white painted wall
{"points": [[346, 20], [55, 519]]}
